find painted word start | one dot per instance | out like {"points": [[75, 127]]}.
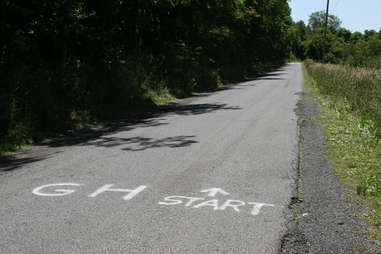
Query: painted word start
{"points": [[235, 205], [55, 190]]}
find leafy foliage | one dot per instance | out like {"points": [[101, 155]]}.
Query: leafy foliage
{"points": [[69, 60], [360, 87], [317, 21], [341, 45]]}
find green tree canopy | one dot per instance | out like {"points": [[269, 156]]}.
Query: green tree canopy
{"points": [[64, 60], [317, 21]]}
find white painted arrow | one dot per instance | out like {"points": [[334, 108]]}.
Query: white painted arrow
{"points": [[212, 192]]}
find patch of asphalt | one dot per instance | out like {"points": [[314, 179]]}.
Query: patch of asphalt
{"points": [[42, 150], [145, 116], [323, 222], [240, 139], [142, 118]]}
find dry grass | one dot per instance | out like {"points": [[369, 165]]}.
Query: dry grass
{"points": [[360, 87], [350, 102]]}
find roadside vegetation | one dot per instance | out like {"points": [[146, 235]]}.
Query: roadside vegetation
{"points": [[343, 73], [342, 46], [66, 63], [350, 104]]}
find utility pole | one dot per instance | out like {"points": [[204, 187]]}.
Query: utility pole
{"points": [[325, 30]]}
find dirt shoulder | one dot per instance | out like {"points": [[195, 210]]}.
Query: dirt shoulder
{"points": [[324, 222]]}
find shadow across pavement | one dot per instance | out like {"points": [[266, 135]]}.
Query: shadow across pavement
{"points": [[100, 135], [142, 143], [277, 75], [13, 161]]}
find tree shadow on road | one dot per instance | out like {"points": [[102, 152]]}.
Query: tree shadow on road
{"points": [[152, 118], [141, 143], [13, 161], [9, 163], [276, 75], [100, 135], [97, 135]]}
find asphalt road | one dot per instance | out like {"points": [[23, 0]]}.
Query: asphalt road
{"points": [[211, 174]]}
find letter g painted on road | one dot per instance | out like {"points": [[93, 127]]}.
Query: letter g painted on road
{"points": [[56, 192]]}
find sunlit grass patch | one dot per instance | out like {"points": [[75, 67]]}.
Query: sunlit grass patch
{"points": [[160, 96], [351, 130]]}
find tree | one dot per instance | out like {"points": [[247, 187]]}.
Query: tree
{"points": [[317, 21], [63, 59], [344, 33], [340, 46], [298, 32]]}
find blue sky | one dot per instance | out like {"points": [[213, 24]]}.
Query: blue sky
{"points": [[356, 15]]}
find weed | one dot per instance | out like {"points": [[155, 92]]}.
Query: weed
{"points": [[350, 105]]}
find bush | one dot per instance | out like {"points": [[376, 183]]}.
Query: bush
{"points": [[62, 62]]}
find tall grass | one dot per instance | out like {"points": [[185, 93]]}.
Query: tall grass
{"points": [[360, 87], [350, 102]]}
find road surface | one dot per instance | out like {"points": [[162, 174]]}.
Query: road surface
{"points": [[211, 174]]}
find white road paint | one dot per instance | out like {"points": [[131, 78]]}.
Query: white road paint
{"points": [[193, 202], [213, 203], [173, 200], [235, 205], [177, 200], [258, 206], [57, 192], [107, 188], [193, 199], [212, 192], [40, 191], [198, 148]]}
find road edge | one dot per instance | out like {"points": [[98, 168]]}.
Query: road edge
{"points": [[322, 221]]}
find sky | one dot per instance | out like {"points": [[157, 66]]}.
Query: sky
{"points": [[356, 15]]}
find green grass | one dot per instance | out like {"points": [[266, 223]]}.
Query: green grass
{"points": [[16, 139], [359, 87], [20, 136], [160, 96], [352, 133]]}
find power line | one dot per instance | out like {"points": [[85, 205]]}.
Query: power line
{"points": [[337, 4]]}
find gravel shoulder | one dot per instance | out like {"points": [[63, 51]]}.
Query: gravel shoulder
{"points": [[324, 222]]}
